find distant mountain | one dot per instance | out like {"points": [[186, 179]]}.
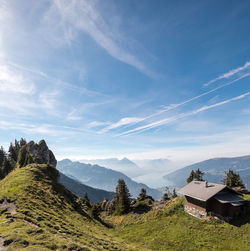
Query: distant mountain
{"points": [[214, 170], [124, 165], [102, 178], [79, 189], [164, 165]]}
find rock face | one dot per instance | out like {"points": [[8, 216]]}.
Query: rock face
{"points": [[108, 206], [40, 153]]}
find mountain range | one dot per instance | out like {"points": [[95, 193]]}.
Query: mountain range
{"points": [[124, 165], [103, 178], [214, 170], [95, 195]]}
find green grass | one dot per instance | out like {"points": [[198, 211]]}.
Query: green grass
{"points": [[173, 229], [48, 217]]}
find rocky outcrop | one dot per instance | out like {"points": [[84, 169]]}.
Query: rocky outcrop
{"points": [[41, 153], [108, 206], [36, 153]]}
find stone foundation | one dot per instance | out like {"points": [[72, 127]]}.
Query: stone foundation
{"points": [[195, 212]]}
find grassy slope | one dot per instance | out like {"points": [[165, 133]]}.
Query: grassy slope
{"points": [[48, 217], [173, 229]]}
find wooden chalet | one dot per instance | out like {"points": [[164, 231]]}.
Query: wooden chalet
{"points": [[203, 199]]}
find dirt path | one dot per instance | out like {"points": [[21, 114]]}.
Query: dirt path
{"points": [[11, 207], [2, 248]]}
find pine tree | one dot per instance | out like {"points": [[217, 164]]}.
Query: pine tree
{"points": [[174, 195], [198, 175], [191, 176], [22, 142], [167, 195], [2, 154], [195, 175], [142, 195], [13, 152], [233, 179], [95, 211], [8, 162], [122, 198], [86, 196], [24, 158]]}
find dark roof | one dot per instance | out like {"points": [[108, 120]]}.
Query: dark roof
{"points": [[228, 198], [201, 190]]}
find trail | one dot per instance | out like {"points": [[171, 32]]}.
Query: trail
{"points": [[2, 248], [11, 207]]}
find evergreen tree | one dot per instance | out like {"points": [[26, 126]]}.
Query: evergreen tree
{"points": [[142, 195], [167, 195], [86, 196], [122, 198], [233, 179], [191, 176], [8, 162], [24, 158], [95, 211], [86, 199], [13, 152], [198, 175], [22, 142], [2, 154], [174, 195], [195, 175]]}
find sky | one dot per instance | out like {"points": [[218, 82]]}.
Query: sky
{"points": [[139, 79]]}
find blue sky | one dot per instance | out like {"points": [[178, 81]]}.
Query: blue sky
{"points": [[141, 79]]}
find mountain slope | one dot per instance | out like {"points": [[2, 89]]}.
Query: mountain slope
{"points": [[124, 165], [79, 189], [48, 217], [214, 170], [171, 229], [102, 178]]}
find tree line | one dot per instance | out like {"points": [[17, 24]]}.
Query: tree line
{"points": [[231, 179], [9, 159]]}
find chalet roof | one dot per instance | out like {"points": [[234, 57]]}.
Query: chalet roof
{"points": [[201, 190], [228, 198]]}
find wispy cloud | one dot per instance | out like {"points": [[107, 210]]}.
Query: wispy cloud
{"points": [[230, 73], [40, 129], [11, 81], [5, 17], [182, 115], [174, 106], [122, 122], [94, 124], [82, 16]]}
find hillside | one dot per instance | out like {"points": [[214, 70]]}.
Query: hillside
{"points": [[40, 214], [102, 178], [214, 170], [79, 189], [43, 215], [173, 229]]}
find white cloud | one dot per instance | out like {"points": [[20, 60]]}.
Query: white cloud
{"points": [[73, 116], [182, 115], [13, 82], [82, 16], [5, 17], [230, 73], [174, 106], [122, 122], [38, 129], [97, 124]]}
